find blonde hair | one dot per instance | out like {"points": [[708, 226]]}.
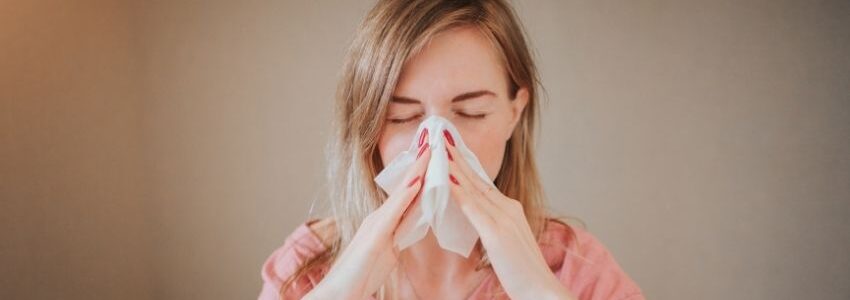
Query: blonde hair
{"points": [[392, 32]]}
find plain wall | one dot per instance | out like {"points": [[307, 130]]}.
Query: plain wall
{"points": [[75, 218], [163, 149]]}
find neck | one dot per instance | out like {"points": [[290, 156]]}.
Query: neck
{"points": [[426, 259]]}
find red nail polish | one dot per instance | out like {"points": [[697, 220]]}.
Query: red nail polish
{"points": [[412, 182], [422, 136], [453, 179], [422, 150], [450, 154], [449, 137]]}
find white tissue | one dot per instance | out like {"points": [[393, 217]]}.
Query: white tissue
{"points": [[436, 209]]}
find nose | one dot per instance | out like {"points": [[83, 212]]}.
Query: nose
{"points": [[438, 109]]}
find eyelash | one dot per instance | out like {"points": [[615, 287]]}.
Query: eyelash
{"points": [[402, 121]]}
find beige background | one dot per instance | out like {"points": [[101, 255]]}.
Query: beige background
{"points": [[162, 149]]}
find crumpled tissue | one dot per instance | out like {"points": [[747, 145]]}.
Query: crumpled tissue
{"points": [[435, 209]]}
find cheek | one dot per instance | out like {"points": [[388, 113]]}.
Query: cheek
{"points": [[489, 147], [393, 142], [487, 139]]}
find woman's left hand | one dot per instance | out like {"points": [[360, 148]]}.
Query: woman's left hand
{"points": [[501, 223]]}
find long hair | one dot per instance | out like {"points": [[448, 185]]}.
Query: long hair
{"points": [[392, 32]]}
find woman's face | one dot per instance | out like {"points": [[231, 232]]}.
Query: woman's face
{"points": [[458, 76]]}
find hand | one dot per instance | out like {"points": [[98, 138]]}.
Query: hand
{"points": [[501, 223], [370, 257]]}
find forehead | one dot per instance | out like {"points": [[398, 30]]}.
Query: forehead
{"points": [[454, 61]]}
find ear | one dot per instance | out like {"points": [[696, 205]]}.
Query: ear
{"points": [[517, 107]]}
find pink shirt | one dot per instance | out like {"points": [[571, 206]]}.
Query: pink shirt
{"points": [[586, 268]]}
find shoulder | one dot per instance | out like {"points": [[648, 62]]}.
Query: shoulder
{"points": [[307, 241], [583, 264]]}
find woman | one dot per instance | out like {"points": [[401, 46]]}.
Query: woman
{"points": [[468, 62]]}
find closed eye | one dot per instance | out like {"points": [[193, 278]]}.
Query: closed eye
{"points": [[415, 117], [403, 120], [472, 116]]}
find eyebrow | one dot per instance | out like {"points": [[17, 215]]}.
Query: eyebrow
{"points": [[458, 98]]}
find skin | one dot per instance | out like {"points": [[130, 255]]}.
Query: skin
{"points": [[456, 62]]}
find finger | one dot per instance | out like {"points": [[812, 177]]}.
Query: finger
{"points": [[456, 157], [462, 181], [479, 215], [411, 206], [485, 188], [490, 215], [422, 157], [402, 196]]}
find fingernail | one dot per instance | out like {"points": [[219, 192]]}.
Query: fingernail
{"points": [[453, 179], [449, 153], [422, 150], [449, 137], [422, 136], [412, 182]]}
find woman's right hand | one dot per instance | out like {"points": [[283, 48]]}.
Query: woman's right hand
{"points": [[367, 261]]}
